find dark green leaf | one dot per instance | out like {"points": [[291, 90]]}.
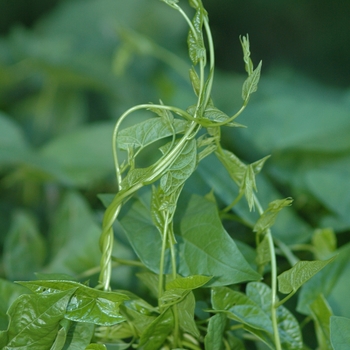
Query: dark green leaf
{"points": [[204, 246], [34, 320], [79, 336], [23, 239], [156, 333], [340, 335], [214, 337], [13, 146], [85, 155], [292, 279], [254, 312], [74, 234], [185, 310], [87, 304]]}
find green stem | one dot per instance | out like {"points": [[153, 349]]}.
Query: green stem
{"points": [[273, 281], [162, 258]]}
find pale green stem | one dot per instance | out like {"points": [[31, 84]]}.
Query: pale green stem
{"points": [[273, 281], [162, 258]]}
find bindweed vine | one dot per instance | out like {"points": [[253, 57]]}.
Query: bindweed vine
{"points": [[208, 293]]}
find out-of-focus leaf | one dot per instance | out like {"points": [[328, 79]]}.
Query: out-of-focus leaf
{"points": [[25, 248], [340, 335], [74, 237], [321, 314], [325, 243], [204, 247], [87, 305], [85, 154], [13, 146], [34, 320], [292, 279]]}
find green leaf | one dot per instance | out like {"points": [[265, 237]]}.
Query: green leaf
{"points": [[325, 243], [251, 84], [79, 336], [96, 347], [185, 310], [87, 304], [267, 219], [253, 310], [61, 335], [73, 236], [188, 283], [181, 169], [204, 247], [8, 293], [34, 320], [246, 54], [85, 155], [214, 114], [156, 333], [143, 134], [13, 146], [340, 335], [195, 81], [321, 314], [241, 308], [21, 241], [242, 174], [292, 279], [334, 275], [213, 340], [195, 42], [210, 173], [137, 312], [263, 252]]}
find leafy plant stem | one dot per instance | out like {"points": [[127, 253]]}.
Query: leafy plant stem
{"points": [[273, 280]]}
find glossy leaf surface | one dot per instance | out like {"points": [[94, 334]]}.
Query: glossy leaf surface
{"points": [[34, 320], [87, 304]]}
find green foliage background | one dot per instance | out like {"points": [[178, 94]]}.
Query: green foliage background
{"points": [[71, 70]]}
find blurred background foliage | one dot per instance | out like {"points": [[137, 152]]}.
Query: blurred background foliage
{"points": [[68, 69]]}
